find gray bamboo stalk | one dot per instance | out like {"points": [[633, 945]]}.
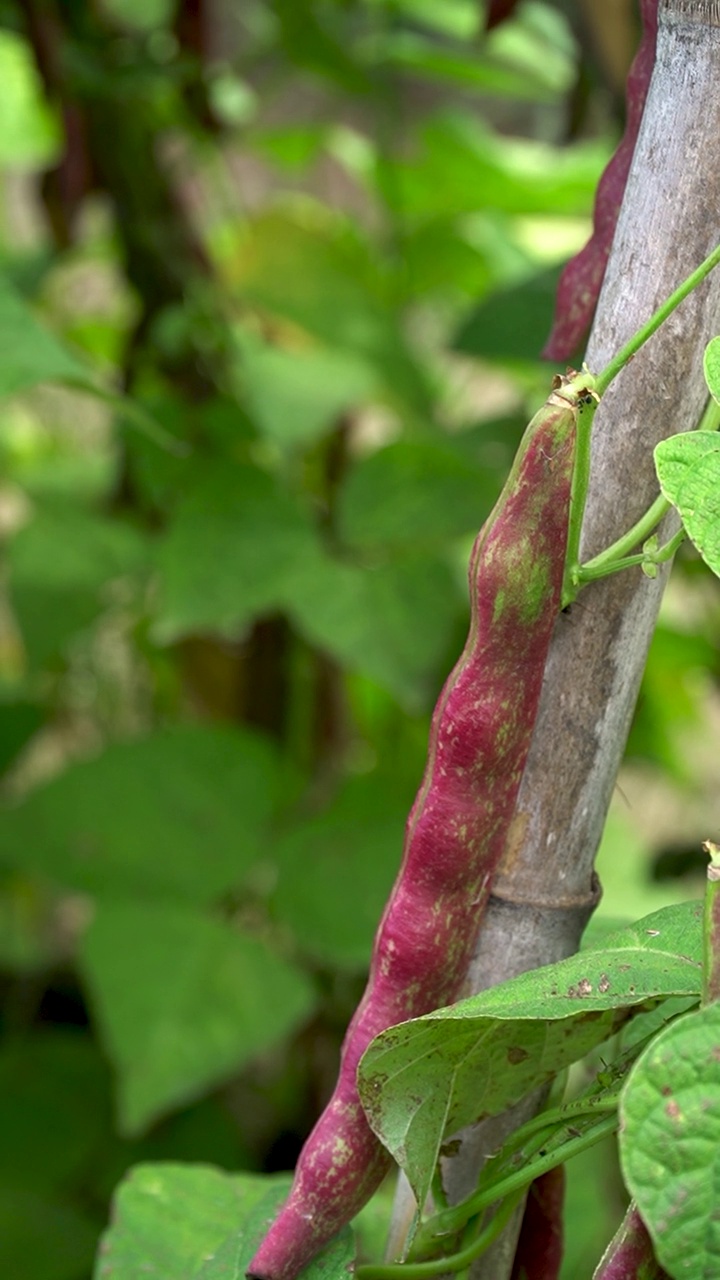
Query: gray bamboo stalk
{"points": [[670, 220]]}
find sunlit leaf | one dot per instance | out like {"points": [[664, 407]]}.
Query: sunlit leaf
{"points": [[30, 135], [173, 1222], [688, 468], [711, 367]]}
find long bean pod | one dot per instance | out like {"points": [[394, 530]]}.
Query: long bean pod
{"points": [[456, 830]]}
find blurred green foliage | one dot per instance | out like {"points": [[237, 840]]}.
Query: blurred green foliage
{"points": [[273, 281]]}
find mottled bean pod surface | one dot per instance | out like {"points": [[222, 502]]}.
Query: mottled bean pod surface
{"points": [[456, 830]]}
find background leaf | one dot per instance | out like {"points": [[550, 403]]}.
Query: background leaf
{"points": [[32, 353], [182, 1001], [233, 548], [392, 621], [412, 494], [350, 852], [181, 813]]}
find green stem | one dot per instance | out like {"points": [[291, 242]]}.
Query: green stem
{"points": [[592, 572], [624, 545], [455, 1261], [616, 556], [450, 1221], [611, 370], [600, 384], [511, 1188], [578, 494]]}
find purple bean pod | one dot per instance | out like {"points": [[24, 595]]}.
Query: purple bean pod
{"points": [[581, 280], [456, 831]]}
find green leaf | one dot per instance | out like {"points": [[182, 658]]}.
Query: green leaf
{"points": [[440, 256], [423, 56], [393, 623], [20, 720], [43, 1237], [431, 1076], [181, 813], [670, 1143], [31, 353], [231, 1259], [141, 15], [688, 468], [455, 19], [298, 396], [711, 367], [349, 853], [312, 41], [169, 1219], [53, 1108], [183, 1001], [30, 136], [192, 1222], [234, 546], [457, 156], [61, 563], [316, 272], [512, 324], [411, 494]]}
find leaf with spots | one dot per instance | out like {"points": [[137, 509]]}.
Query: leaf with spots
{"points": [[422, 1081], [670, 1143]]}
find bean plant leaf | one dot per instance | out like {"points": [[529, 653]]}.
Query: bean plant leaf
{"points": [[422, 56], [43, 1237], [413, 493], [31, 352], [53, 1108], [711, 367], [194, 1222], [236, 542], [511, 324], [456, 150], [427, 1078], [61, 564], [670, 1143], [393, 621], [180, 814], [30, 132], [349, 853], [318, 273], [688, 468], [296, 397], [169, 1219], [182, 1001]]}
